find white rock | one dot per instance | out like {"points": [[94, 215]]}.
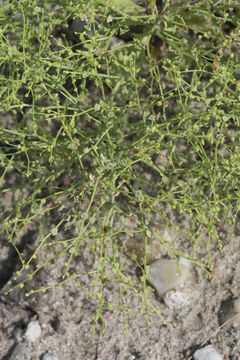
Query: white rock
{"points": [[207, 353], [175, 299], [33, 331], [165, 274], [49, 356]]}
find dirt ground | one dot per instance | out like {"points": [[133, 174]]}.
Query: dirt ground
{"points": [[198, 313]]}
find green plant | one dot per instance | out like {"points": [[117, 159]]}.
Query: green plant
{"points": [[92, 115]]}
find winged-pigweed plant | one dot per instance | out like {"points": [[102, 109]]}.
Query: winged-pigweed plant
{"points": [[94, 98]]}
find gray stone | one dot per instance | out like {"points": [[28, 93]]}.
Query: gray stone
{"points": [[18, 334], [17, 353]]}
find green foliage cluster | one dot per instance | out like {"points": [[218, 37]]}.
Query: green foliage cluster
{"points": [[131, 88]]}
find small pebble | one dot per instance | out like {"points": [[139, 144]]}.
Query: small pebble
{"points": [[207, 353], [175, 299], [236, 305], [165, 274], [33, 331], [49, 356]]}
